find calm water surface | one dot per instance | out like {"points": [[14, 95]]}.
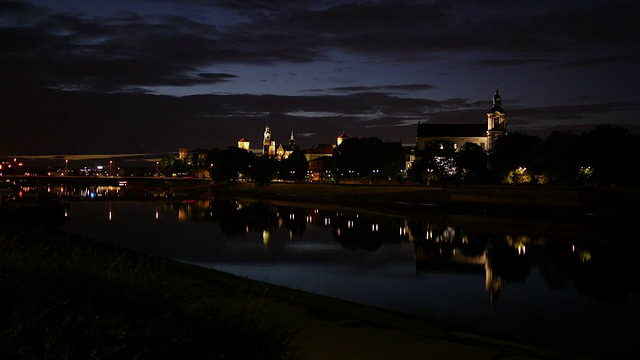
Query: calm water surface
{"points": [[559, 283]]}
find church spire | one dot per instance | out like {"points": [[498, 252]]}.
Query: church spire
{"points": [[497, 102]]}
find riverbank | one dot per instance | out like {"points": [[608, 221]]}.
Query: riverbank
{"points": [[485, 198], [68, 297], [83, 296]]}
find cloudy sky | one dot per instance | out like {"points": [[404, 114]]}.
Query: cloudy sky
{"points": [[145, 76]]}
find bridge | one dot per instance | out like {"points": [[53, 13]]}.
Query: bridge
{"points": [[141, 183]]}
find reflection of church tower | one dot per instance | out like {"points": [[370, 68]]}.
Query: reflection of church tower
{"points": [[266, 236], [496, 121], [268, 145], [493, 283]]}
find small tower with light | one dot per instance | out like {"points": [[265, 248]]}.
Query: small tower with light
{"points": [[342, 137]]}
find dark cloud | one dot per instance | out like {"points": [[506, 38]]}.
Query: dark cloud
{"points": [[391, 88], [513, 61], [104, 65], [219, 77], [633, 58], [543, 114], [120, 52]]}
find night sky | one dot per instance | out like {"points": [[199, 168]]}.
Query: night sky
{"points": [[143, 76]]}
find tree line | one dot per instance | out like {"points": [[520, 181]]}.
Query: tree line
{"points": [[604, 155]]}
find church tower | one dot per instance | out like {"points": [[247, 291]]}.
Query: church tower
{"points": [[342, 137], [292, 142], [496, 121], [268, 145]]}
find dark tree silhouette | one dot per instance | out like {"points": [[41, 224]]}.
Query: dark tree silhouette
{"points": [[437, 165], [294, 167], [228, 164], [264, 170], [561, 157], [368, 155], [471, 160], [607, 150], [512, 151]]}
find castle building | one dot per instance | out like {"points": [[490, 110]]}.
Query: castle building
{"points": [[322, 150], [244, 143], [269, 145], [282, 151], [459, 134]]}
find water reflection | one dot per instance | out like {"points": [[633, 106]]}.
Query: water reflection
{"points": [[563, 283], [595, 269]]}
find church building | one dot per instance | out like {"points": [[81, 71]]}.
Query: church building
{"points": [[484, 135]]}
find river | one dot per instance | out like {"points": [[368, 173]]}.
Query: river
{"points": [[559, 283]]}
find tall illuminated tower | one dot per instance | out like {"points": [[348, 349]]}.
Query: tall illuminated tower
{"points": [[496, 121], [268, 145]]}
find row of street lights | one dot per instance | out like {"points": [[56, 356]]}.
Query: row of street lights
{"points": [[66, 167]]}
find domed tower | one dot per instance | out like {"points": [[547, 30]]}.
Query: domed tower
{"points": [[496, 120], [342, 137]]}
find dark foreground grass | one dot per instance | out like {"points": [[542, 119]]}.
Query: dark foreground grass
{"points": [[64, 298]]}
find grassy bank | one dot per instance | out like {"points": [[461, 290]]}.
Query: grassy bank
{"points": [[64, 297]]}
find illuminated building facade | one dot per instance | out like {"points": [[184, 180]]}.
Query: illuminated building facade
{"points": [[183, 153], [244, 144], [459, 134], [342, 137]]}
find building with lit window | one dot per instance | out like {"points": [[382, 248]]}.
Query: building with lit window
{"points": [[183, 154], [484, 135], [244, 144]]}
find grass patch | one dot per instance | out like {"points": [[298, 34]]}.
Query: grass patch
{"points": [[63, 297]]}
